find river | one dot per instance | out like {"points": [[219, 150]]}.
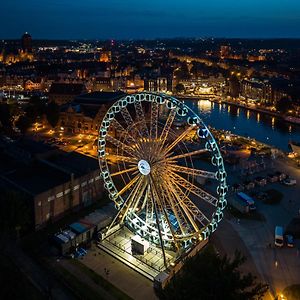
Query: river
{"points": [[264, 128]]}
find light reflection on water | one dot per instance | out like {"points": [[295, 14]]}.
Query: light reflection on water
{"points": [[264, 128]]}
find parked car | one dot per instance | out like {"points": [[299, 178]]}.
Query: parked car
{"points": [[289, 181], [279, 236], [289, 240]]}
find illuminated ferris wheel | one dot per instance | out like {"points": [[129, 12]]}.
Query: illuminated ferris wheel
{"points": [[163, 169]]}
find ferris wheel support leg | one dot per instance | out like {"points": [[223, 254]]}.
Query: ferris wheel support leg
{"points": [[162, 206], [159, 231]]}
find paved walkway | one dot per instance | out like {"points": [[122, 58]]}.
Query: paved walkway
{"points": [[129, 281]]}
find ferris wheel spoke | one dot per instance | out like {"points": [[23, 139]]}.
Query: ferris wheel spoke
{"points": [[141, 118], [154, 118], [117, 158], [126, 205], [192, 208], [162, 206], [124, 171], [194, 189], [196, 152], [120, 145], [191, 171], [127, 117], [179, 138], [183, 204], [134, 197], [129, 185], [182, 222], [164, 135], [122, 131]]}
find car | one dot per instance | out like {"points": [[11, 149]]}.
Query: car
{"points": [[289, 181], [289, 240]]}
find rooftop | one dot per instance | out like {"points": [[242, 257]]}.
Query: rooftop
{"points": [[67, 88], [98, 98]]}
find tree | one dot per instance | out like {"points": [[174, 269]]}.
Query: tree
{"points": [[179, 88], [52, 113], [208, 276], [284, 105]]}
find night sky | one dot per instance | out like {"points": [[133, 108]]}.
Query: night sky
{"points": [[125, 19]]}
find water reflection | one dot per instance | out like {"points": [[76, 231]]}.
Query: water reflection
{"points": [[258, 117], [248, 114], [265, 128], [204, 106]]}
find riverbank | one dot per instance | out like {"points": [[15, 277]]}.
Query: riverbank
{"points": [[291, 120]]}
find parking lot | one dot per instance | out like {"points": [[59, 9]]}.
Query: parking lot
{"points": [[279, 267]]}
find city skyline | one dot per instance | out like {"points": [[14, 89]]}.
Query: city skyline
{"points": [[134, 20]]}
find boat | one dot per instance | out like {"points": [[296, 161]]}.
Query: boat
{"points": [[295, 146]]}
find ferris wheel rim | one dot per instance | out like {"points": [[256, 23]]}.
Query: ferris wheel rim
{"points": [[160, 100]]}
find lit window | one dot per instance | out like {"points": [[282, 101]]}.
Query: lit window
{"points": [[51, 198]]}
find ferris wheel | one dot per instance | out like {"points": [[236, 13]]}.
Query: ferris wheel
{"points": [[163, 169]]}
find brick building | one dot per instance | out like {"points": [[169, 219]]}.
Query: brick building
{"points": [[85, 112], [56, 182]]}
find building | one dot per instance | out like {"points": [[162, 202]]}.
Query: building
{"points": [[85, 113], [225, 51], [34, 84], [61, 92], [102, 84], [158, 84], [56, 182], [26, 42], [264, 91]]}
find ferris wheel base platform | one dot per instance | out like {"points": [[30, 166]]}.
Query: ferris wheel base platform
{"points": [[150, 264], [129, 260]]}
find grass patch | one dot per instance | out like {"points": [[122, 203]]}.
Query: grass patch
{"points": [[292, 292], [274, 196], [252, 215], [80, 289], [98, 279]]}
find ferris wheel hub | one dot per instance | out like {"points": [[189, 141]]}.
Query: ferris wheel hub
{"points": [[144, 167]]}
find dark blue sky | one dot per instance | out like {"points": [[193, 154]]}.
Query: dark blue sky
{"points": [[92, 19]]}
